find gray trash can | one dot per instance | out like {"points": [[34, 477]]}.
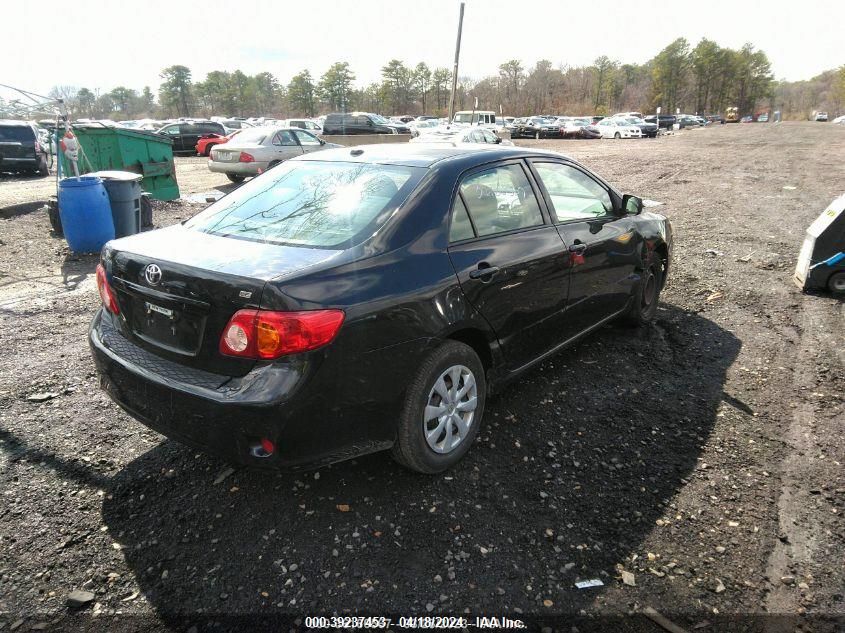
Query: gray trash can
{"points": [[124, 189]]}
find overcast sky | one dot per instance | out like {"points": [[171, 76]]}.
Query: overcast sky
{"points": [[98, 45]]}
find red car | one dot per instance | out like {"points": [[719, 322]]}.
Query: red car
{"points": [[208, 141]]}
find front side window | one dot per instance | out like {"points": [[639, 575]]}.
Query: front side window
{"points": [[306, 138], [574, 195], [311, 203], [501, 199]]}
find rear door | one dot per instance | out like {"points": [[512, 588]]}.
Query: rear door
{"points": [[173, 132], [510, 260], [603, 244]]}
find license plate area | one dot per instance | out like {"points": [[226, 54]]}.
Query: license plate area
{"points": [[172, 328]]}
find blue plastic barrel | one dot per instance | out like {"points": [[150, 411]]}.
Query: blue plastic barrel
{"points": [[86, 214]]}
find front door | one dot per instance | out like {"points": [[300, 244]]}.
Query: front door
{"points": [[307, 141], [511, 262], [285, 146], [602, 243]]}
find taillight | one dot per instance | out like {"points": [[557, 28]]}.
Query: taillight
{"points": [[106, 292], [266, 335], [246, 158]]}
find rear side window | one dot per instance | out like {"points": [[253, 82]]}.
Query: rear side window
{"points": [[16, 134], [207, 128], [311, 203], [501, 199], [574, 195], [461, 228]]}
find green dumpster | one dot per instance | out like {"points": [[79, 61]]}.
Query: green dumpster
{"points": [[138, 151]]}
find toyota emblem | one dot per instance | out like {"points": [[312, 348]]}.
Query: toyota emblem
{"points": [[152, 274]]}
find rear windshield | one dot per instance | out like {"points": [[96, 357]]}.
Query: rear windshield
{"points": [[311, 203], [16, 133], [255, 135]]}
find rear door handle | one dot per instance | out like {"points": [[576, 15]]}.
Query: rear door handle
{"points": [[577, 248], [483, 271]]}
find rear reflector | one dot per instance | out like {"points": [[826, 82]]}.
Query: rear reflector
{"points": [[265, 334], [106, 293]]}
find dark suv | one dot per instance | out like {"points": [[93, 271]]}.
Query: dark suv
{"points": [[20, 149], [185, 134], [361, 123]]}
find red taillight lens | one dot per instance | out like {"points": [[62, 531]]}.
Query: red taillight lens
{"points": [[246, 158], [267, 335], [106, 293]]}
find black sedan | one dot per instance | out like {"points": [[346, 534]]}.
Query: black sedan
{"points": [[368, 298], [537, 127]]}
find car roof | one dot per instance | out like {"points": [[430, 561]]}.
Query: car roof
{"points": [[422, 154], [15, 122]]}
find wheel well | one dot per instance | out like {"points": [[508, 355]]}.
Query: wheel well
{"points": [[478, 342], [662, 250]]}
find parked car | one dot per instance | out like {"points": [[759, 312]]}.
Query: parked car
{"points": [[232, 125], [763, 118], [820, 116], [21, 148], [665, 121], [747, 119], [618, 128], [262, 148], [361, 123], [536, 127], [461, 135], [590, 131], [574, 127], [186, 134], [423, 127], [208, 141], [715, 118], [648, 129], [369, 298], [302, 124], [839, 120]]}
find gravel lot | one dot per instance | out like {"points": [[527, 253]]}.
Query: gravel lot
{"points": [[703, 454]]}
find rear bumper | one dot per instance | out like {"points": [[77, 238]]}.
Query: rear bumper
{"points": [[237, 169], [298, 405]]}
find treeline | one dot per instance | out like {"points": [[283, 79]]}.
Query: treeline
{"points": [[706, 78]]}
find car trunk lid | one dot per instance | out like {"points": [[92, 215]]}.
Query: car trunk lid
{"points": [[177, 289]]}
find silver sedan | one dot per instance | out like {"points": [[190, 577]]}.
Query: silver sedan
{"points": [[256, 150]]}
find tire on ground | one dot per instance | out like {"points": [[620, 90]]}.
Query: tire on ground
{"points": [[646, 295], [411, 448]]}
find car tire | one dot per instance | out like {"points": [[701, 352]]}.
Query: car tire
{"points": [[836, 283], [617, 136], [646, 296], [208, 149], [422, 445], [273, 163], [43, 169], [235, 177]]}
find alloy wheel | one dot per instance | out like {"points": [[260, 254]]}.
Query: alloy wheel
{"points": [[450, 409]]}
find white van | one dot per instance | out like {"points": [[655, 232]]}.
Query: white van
{"points": [[485, 118]]}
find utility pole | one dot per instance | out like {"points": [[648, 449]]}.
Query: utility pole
{"points": [[455, 68]]}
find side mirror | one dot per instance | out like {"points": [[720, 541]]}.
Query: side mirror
{"points": [[498, 140], [632, 205]]}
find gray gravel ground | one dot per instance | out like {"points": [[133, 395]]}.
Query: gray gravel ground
{"points": [[702, 455]]}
